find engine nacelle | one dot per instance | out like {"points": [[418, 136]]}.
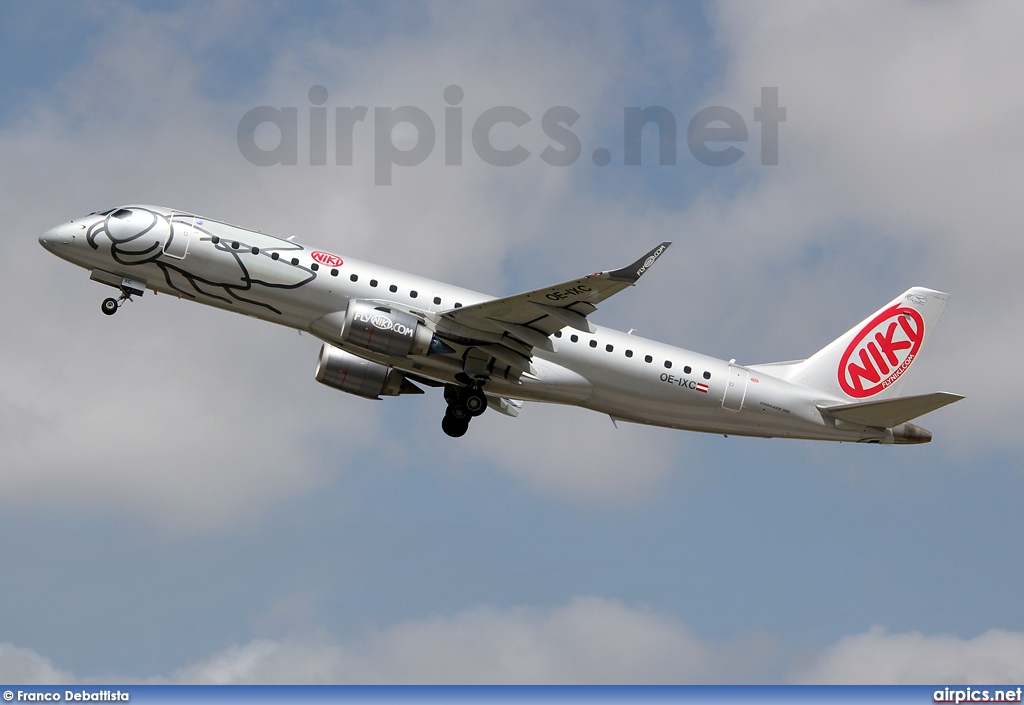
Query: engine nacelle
{"points": [[385, 330], [351, 373]]}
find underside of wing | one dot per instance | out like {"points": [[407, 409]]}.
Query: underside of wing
{"points": [[505, 331]]}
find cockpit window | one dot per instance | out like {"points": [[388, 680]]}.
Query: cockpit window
{"points": [[122, 214]]}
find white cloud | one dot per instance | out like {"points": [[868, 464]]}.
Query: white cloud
{"points": [[157, 414], [862, 141], [177, 428], [586, 640], [903, 128], [876, 656], [575, 453], [179, 415], [902, 138], [26, 666]]}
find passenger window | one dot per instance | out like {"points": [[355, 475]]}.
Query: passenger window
{"points": [[392, 288], [574, 338], [609, 348], [437, 300], [558, 334], [629, 353], [668, 364], [353, 277], [334, 272], [458, 305], [648, 358], [295, 261], [707, 375], [314, 266], [687, 369], [414, 293], [234, 245], [593, 343], [275, 255], [373, 282], [255, 250]]}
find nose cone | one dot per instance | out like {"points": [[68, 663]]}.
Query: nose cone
{"points": [[54, 238]]}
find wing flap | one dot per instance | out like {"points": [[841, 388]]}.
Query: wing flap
{"points": [[509, 329], [504, 405], [566, 316], [887, 413], [530, 336]]}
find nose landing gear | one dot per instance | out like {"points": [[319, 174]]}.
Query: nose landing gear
{"points": [[110, 305], [127, 287], [464, 404]]}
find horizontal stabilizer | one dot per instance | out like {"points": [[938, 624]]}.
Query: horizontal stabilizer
{"points": [[888, 413]]}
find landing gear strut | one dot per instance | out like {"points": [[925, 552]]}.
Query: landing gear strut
{"points": [[110, 306], [464, 403]]}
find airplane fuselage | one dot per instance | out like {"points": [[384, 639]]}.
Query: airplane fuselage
{"points": [[625, 376]]}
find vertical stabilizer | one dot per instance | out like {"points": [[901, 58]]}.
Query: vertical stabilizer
{"points": [[870, 360]]}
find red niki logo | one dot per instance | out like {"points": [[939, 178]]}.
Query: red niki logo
{"points": [[881, 352], [327, 259]]}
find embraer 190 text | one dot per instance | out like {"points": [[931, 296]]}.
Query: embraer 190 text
{"points": [[388, 333]]}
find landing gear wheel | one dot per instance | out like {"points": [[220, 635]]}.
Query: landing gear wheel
{"points": [[109, 306], [464, 404], [453, 426], [475, 401]]}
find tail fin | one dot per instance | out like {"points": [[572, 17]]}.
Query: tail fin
{"points": [[869, 360]]}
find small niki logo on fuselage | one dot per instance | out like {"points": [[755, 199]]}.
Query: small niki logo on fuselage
{"points": [[327, 259]]}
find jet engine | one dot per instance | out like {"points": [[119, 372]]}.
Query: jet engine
{"points": [[350, 373], [385, 330]]}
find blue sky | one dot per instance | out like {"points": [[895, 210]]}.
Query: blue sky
{"points": [[182, 502]]}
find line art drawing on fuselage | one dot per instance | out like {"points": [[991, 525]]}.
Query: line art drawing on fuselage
{"points": [[387, 333]]}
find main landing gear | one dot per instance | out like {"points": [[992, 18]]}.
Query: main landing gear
{"points": [[464, 403]]}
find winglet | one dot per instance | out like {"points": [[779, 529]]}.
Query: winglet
{"points": [[636, 270]]}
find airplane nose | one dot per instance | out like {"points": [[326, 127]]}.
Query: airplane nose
{"points": [[60, 235]]}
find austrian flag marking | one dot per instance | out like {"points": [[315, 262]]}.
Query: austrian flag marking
{"points": [[327, 259], [881, 352]]}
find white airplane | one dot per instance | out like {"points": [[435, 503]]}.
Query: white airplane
{"points": [[385, 332]]}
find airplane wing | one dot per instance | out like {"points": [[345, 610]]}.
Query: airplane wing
{"points": [[505, 331]]}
